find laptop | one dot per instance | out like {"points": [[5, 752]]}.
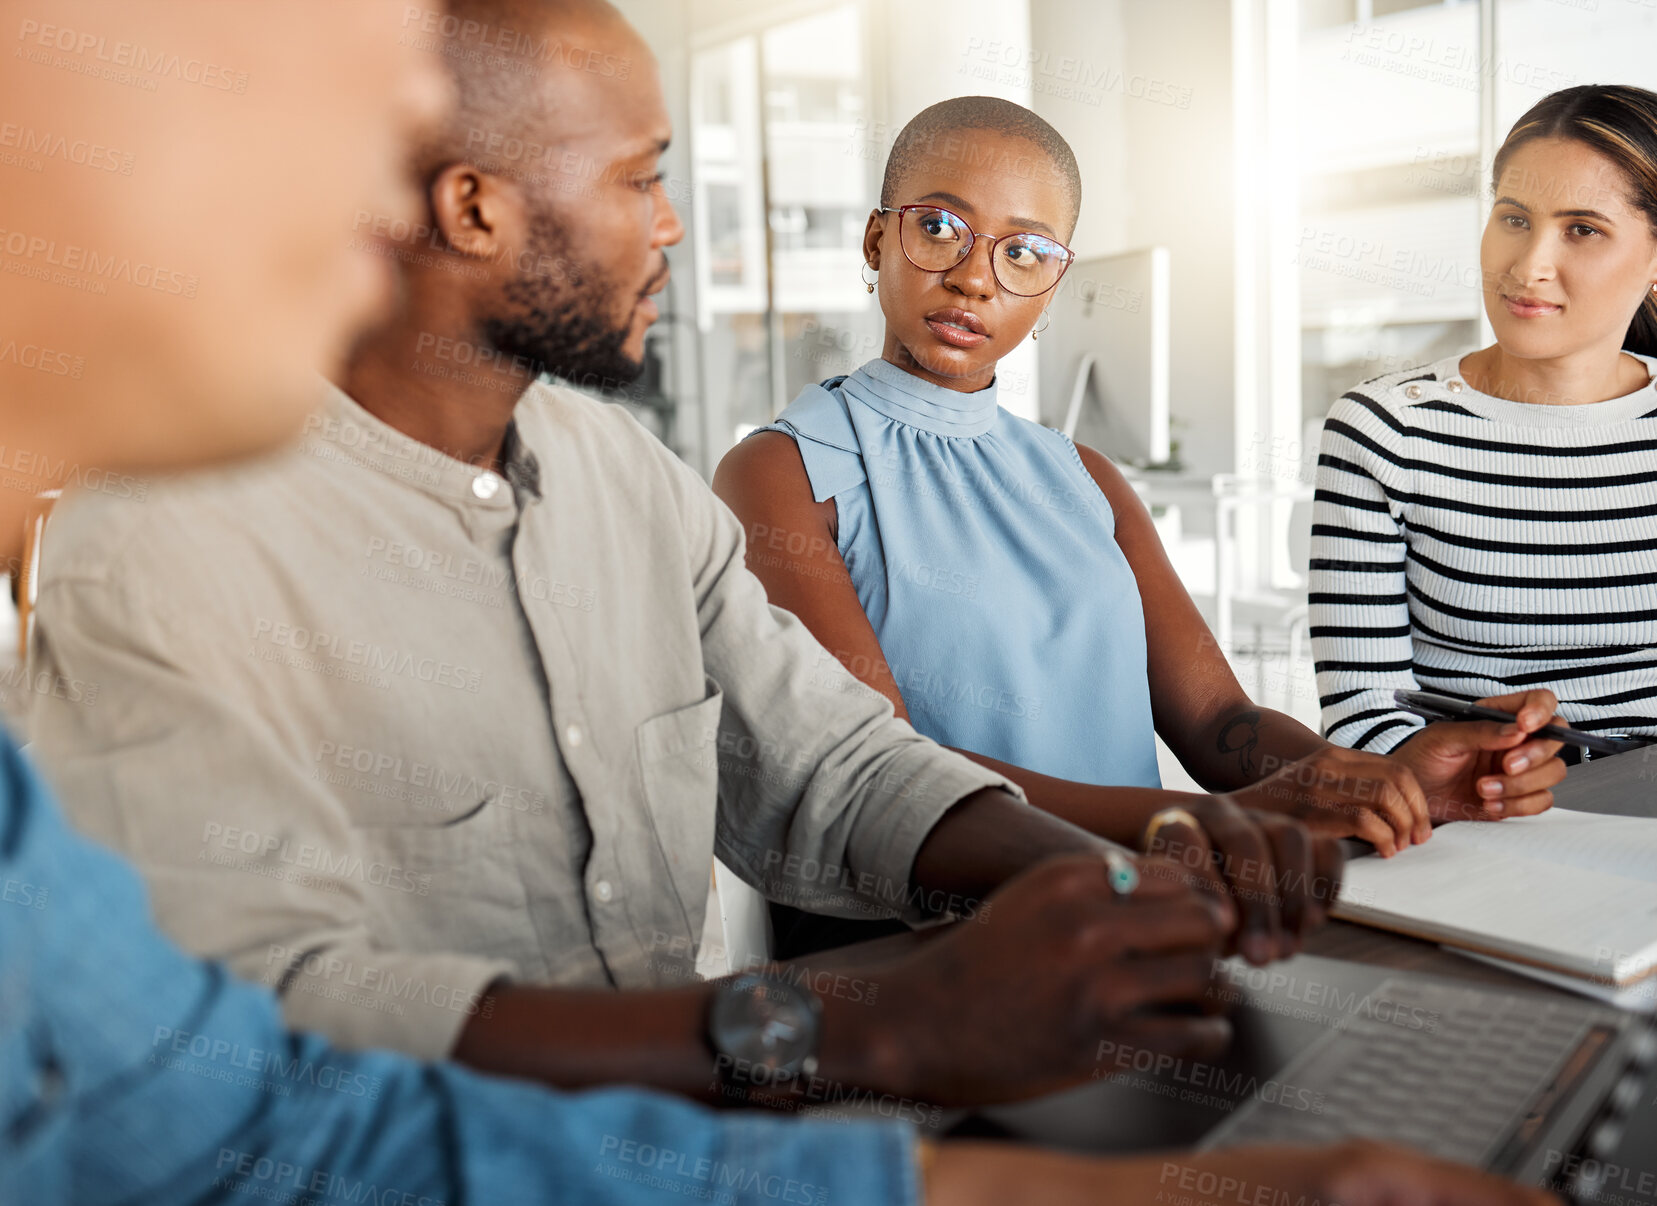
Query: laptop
{"points": [[1540, 1087], [1543, 1086]]}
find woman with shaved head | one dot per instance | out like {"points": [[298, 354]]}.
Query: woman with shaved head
{"points": [[1005, 588]]}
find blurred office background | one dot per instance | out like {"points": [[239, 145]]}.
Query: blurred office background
{"points": [[1282, 198]]}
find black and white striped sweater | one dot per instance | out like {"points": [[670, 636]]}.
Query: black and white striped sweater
{"points": [[1472, 546]]}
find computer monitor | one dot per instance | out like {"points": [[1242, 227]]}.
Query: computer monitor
{"points": [[1104, 360]]}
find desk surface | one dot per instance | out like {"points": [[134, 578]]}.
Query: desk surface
{"points": [[1285, 1007]]}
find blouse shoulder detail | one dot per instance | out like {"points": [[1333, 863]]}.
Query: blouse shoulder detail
{"points": [[819, 424]]}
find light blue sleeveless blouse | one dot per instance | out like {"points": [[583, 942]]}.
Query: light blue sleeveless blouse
{"points": [[985, 557]]}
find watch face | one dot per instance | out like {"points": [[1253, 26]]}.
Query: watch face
{"points": [[769, 1025]]}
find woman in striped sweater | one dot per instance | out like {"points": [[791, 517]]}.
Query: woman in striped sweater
{"points": [[1488, 523]]}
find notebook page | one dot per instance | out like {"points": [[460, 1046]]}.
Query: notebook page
{"points": [[1577, 920], [1613, 845]]}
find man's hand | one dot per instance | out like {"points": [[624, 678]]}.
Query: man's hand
{"points": [[1337, 792], [1483, 770], [1279, 875], [1016, 1002]]}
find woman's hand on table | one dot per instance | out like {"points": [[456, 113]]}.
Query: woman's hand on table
{"points": [[1340, 793]]}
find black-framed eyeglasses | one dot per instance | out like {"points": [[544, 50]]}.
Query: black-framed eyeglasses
{"points": [[934, 239]]}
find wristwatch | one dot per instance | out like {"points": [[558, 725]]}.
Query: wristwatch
{"points": [[764, 1029]]}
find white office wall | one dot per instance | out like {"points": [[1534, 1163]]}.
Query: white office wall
{"points": [[1142, 92], [1178, 173], [1081, 49]]}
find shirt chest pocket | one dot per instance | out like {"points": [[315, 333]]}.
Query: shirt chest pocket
{"points": [[446, 886], [678, 755]]}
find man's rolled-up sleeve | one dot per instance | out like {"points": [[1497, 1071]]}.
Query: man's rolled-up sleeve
{"points": [[188, 782], [825, 796]]}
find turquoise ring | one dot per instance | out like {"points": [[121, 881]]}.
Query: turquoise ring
{"points": [[1122, 874]]}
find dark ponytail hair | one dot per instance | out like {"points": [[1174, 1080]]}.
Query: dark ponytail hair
{"points": [[1620, 122]]}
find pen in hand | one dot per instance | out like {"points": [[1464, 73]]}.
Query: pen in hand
{"points": [[1444, 707]]}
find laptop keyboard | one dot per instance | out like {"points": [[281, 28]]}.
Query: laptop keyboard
{"points": [[1448, 1070]]}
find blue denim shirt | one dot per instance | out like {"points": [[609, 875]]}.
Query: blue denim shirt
{"points": [[130, 1072]]}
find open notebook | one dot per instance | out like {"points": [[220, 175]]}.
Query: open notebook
{"points": [[1573, 893]]}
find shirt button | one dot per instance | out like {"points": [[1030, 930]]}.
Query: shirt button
{"points": [[603, 891], [1412, 392], [486, 485], [1454, 386], [573, 735]]}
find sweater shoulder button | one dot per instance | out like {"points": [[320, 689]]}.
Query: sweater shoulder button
{"points": [[1412, 392]]}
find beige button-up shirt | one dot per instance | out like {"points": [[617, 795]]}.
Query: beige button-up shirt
{"points": [[380, 727]]}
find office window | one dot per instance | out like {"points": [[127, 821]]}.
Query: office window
{"points": [[779, 128], [1369, 128], [1387, 246], [1394, 186], [1545, 45], [1321, 14]]}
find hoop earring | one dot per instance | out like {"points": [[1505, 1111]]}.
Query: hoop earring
{"points": [[870, 285], [1047, 321]]}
